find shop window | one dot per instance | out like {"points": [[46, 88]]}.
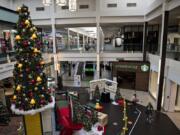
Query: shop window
{"points": [[83, 6], [112, 5], [131, 5], [39, 8]]}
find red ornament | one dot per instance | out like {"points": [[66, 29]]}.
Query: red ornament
{"points": [[30, 94], [99, 128], [25, 43], [41, 102], [33, 81], [27, 69]]}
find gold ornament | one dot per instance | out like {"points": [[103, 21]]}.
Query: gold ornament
{"points": [[20, 65], [18, 9], [32, 102], [34, 36], [18, 88], [34, 28], [36, 88], [38, 79], [42, 62], [36, 50], [18, 37], [27, 22], [14, 97]]}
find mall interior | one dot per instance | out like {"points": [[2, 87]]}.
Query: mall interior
{"points": [[89, 67]]}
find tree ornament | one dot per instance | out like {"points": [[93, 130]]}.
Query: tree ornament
{"points": [[34, 36], [18, 37], [33, 81], [38, 79], [18, 9], [36, 50], [42, 62], [20, 65], [18, 88], [30, 76], [27, 22], [32, 102], [36, 88], [27, 69], [25, 43], [14, 97], [24, 30]]}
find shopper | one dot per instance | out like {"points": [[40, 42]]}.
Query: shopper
{"points": [[149, 112], [134, 102]]}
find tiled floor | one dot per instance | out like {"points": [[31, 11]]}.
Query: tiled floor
{"points": [[144, 97], [11, 129]]}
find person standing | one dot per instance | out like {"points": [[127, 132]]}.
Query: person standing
{"points": [[134, 102]]}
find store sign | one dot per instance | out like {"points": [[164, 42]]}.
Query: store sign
{"points": [[144, 68], [132, 67]]}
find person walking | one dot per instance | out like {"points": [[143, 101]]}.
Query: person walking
{"points": [[149, 112], [134, 102]]}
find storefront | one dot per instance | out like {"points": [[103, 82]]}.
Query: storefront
{"points": [[131, 74]]}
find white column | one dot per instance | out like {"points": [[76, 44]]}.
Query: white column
{"points": [[83, 42], [78, 45], [68, 45], [98, 52], [54, 38], [98, 38]]}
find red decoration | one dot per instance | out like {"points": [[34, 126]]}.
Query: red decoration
{"points": [[27, 69], [30, 94], [121, 102], [99, 128], [25, 43], [33, 81]]}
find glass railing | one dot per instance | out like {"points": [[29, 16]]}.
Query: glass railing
{"points": [[122, 48], [76, 48]]}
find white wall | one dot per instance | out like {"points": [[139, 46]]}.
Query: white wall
{"points": [[122, 9], [5, 3]]}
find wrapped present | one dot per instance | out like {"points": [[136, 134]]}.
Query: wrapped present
{"points": [[102, 118]]}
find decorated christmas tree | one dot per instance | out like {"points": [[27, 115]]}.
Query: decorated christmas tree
{"points": [[97, 94], [31, 94]]}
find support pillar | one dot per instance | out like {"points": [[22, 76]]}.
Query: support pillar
{"points": [[145, 41], [78, 45], [98, 52], [162, 63], [68, 45], [83, 43]]}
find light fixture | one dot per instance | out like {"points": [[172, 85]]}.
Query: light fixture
{"points": [[47, 2], [72, 5], [61, 2]]}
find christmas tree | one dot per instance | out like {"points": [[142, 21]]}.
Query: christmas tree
{"points": [[97, 93], [4, 115], [118, 95], [31, 94]]}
